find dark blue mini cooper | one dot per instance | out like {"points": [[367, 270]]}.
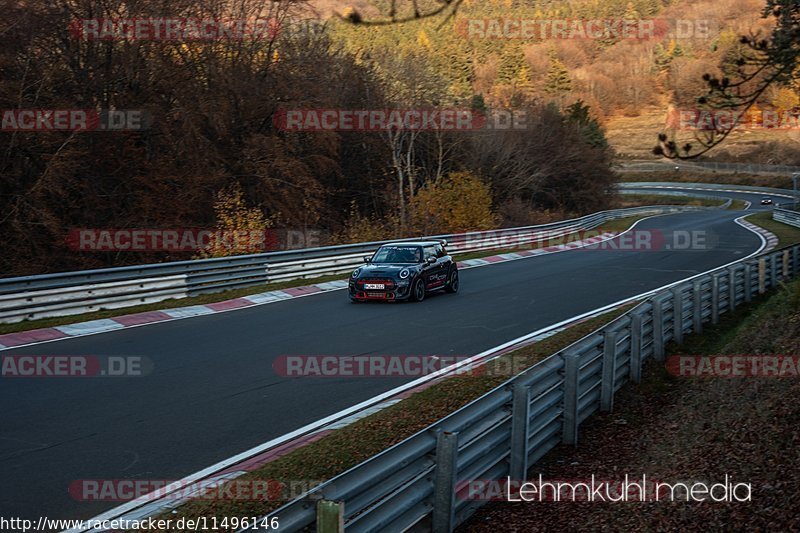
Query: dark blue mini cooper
{"points": [[404, 271]]}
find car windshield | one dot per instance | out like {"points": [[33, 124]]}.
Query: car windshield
{"points": [[398, 254]]}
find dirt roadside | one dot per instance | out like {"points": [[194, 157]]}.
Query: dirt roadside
{"points": [[676, 429]]}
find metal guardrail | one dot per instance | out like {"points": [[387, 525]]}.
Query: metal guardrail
{"points": [[667, 185], [68, 293], [705, 166], [414, 484], [670, 192], [787, 216]]}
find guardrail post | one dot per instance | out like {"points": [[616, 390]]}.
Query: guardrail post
{"points": [[748, 282], [445, 482], [330, 517], [677, 314], [520, 421], [636, 347], [762, 275], [785, 265], [609, 370], [773, 270], [697, 307], [714, 299], [658, 329], [795, 260], [570, 415], [731, 287]]}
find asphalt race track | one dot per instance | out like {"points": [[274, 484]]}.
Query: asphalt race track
{"points": [[213, 392]]}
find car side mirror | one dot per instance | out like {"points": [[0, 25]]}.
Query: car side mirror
{"points": [[430, 260], [367, 258]]}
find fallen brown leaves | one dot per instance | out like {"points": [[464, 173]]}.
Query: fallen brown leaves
{"points": [[673, 429]]}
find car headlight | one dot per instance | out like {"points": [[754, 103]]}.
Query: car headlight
{"points": [[355, 273], [404, 273]]}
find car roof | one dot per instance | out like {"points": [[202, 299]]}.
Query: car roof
{"points": [[413, 243]]}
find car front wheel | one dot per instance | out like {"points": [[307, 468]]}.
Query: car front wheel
{"points": [[452, 282], [418, 291]]}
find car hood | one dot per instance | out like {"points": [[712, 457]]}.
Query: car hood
{"points": [[388, 269]]}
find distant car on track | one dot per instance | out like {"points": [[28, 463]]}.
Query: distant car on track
{"points": [[404, 271], [766, 201]]}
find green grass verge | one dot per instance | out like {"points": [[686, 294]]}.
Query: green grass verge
{"points": [[787, 235], [351, 445], [737, 205], [630, 200]]}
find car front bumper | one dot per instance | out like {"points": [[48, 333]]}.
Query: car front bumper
{"points": [[394, 291]]}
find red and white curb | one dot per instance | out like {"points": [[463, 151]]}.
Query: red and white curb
{"points": [[36, 336], [771, 238]]}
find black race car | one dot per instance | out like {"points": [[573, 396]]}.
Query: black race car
{"points": [[766, 201], [404, 271]]}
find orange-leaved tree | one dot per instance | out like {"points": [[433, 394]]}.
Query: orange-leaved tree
{"points": [[239, 229], [458, 202]]}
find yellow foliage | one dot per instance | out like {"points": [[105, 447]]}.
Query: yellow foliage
{"points": [[457, 203], [360, 228], [727, 38], [423, 40], [239, 229], [786, 99]]}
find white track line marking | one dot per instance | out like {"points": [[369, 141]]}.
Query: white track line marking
{"points": [[337, 417]]}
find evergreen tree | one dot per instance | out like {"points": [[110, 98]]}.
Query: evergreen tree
{"points": [[522, 82], [591, 131], [478, 103], [510, 64], [631, 13], [661, 58], [558, 81]]}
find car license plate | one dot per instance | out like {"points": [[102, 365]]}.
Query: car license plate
{"points": [[378, 286]]}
